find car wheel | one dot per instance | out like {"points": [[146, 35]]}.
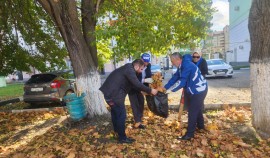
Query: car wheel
{"points": [[229, 76]]}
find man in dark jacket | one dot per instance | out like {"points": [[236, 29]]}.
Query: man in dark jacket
{"points": [[136, 97], [200, 62], [115, 89]]}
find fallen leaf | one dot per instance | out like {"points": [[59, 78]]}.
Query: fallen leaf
{"points": [[204, 142], [71, 155]]}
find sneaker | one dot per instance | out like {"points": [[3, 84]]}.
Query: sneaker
{"points": [[141, 126], [127, 141], [185, 137], [131, 139], [201, 130]]}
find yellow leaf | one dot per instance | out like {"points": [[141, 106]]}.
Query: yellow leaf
{"points": [[240, 117], [111, 149], [184, 156], [247, 153], [71, 155], [153, 154], [214, 143], [87, 131], [183, 132], [229, 147], [241, 144], [211, 127], [204, 142], [96, 135], [199, 153], [47, 116]]}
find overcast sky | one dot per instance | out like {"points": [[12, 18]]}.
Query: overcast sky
{"points": [[221, 17]]}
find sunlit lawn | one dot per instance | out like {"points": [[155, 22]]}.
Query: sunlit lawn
{"points": [[11, 91]]}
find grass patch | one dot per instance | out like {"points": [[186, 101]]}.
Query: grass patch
{"points": [[239, 67], [11, 91]]}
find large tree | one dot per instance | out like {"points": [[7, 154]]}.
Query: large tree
{"points": [[259, 23], [79, 36], [145, 25], [28, 38]]}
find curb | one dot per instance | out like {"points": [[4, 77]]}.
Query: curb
{"points": [[215, 106], [14, 100], [33, 110], [171, 107], [246, 68]]}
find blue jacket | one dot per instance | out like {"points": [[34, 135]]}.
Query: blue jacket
{"points": [[190, 77]]}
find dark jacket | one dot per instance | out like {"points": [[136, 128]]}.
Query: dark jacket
{"points": [[202, 64], [148, 74], [120, 82]]}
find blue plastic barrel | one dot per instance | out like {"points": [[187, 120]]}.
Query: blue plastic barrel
{"points": [[75, 106]]}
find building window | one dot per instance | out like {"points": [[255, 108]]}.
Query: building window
{"points": [[236, 8]]}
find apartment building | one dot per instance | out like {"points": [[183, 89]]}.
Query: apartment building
{"points": [[216, 44], [239, 38]]}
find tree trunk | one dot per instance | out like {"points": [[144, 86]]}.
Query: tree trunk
{"points": [[64, 14], [259, 23]]}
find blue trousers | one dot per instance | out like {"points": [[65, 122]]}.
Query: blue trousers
{"points": [[195, 105], [118, 116], [137, 104]]}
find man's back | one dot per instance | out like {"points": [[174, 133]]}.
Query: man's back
{"points": [[120, 81]]}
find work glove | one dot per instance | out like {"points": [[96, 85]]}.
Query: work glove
{"points": [[148, 80]]}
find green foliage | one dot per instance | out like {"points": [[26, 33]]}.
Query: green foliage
{"points": [[104, 52], [28, 38], [154, 25]]}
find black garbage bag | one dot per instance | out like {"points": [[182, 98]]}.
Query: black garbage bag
{"points": [[158, 104]]}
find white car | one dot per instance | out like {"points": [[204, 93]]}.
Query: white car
{"points": [[174, 69], [155, 69], [218, 67]]}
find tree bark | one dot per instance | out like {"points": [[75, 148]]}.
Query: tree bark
{"points": [[88, 27], [259, 23], [82, 51]]}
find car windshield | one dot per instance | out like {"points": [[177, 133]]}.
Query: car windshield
{"points": [[41, 78], [215, 62], [154, 67]]}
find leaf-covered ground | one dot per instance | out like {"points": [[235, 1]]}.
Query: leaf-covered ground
{"points": [[48, 134]]}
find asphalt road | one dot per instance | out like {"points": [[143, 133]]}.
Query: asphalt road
{"points": [[222, 90], [241, 79]]}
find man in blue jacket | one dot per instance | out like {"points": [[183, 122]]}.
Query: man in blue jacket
{"points": [[195, 89]]}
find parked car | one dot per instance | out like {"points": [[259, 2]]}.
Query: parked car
{"points": [[48, 87], [218, 67], [155, 69], [174, 69]]}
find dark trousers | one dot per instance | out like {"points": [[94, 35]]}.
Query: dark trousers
{"points": [[195, 111], [118, 115], [137, 105]]}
